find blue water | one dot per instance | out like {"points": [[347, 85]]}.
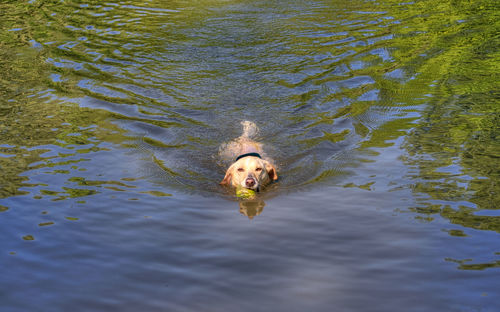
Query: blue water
{"points": [[382, 118]]}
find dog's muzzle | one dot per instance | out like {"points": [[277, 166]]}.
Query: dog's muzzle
{"points": [[250, 182]]}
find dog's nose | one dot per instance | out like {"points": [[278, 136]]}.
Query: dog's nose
{"points": [[250, 182]]}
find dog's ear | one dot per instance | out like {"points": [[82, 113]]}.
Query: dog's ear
{"points": [[271, 171], [227, 178]]}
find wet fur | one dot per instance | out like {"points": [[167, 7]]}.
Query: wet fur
{"points": [[259, 170]]}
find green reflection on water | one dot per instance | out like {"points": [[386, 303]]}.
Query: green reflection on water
{"points": [[426, 70], [456, 144]]}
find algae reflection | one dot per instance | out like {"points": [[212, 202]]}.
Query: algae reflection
{"points": [[444, 77], [84, 75], [43, 130], [455, 146]]}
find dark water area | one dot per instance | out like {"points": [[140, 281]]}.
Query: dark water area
{"points": [[383, 118]]}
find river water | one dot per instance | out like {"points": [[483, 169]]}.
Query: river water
{"points": [[383, 118]]}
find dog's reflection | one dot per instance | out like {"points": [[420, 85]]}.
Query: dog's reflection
{"points": [[251, 207]]}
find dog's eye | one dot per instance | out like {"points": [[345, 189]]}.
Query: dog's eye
{"points": [[258, 169], [241, 169]]}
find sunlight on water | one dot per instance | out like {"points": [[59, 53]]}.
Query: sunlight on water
{"points": [[121, 107]]}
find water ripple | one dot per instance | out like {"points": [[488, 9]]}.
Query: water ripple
{"points": [[179, 79]]}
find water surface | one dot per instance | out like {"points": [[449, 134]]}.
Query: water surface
{"points": [[382, 116]]}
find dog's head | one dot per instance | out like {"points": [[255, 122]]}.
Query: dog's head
{"points": [[251, 173]]}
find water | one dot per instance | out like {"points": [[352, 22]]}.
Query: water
{"points": [[383, 118]]}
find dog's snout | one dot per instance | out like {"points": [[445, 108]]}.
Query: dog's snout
{"points": [[250, 182]]}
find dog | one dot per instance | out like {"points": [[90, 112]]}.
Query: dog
{"points": [[251, 169]]}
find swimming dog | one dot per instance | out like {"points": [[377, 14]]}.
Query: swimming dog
{"points": [[251, 168]]}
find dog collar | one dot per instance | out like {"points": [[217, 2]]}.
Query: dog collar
{"points": [[248, 154]]}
